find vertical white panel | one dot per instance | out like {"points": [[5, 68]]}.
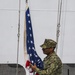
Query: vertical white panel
{"points": [[71, 5], [43, 4], [69, 39], [44, 22], [67, 29], [8, 36], [9, 4]]}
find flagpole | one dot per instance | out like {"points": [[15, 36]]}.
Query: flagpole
{"points": [[58, 21], [25, 52], [18, 38], [26, 1], [25, 33]]}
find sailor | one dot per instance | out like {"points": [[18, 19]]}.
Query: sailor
{"points": [[52, 63]]}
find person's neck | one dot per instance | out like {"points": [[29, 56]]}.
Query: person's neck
{"points": [[50, 53]]}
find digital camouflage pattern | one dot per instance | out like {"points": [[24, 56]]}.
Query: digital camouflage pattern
{"points": [[52, 65], [48, 43]]}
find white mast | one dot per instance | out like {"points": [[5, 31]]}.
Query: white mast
{"points": [[58, 22], [18, 37]]}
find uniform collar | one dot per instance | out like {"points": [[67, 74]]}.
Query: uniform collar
{"points": [[52, 54]]}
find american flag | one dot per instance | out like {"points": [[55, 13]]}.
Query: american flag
{"points": [[33, 56]]}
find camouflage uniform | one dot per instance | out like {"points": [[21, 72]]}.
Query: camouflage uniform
{"points": [[52, 63]]}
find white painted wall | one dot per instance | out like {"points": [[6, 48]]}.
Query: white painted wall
{"points": [[44, 22]]}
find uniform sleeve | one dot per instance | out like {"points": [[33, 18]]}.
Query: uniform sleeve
{"points": [[52, 67]]}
